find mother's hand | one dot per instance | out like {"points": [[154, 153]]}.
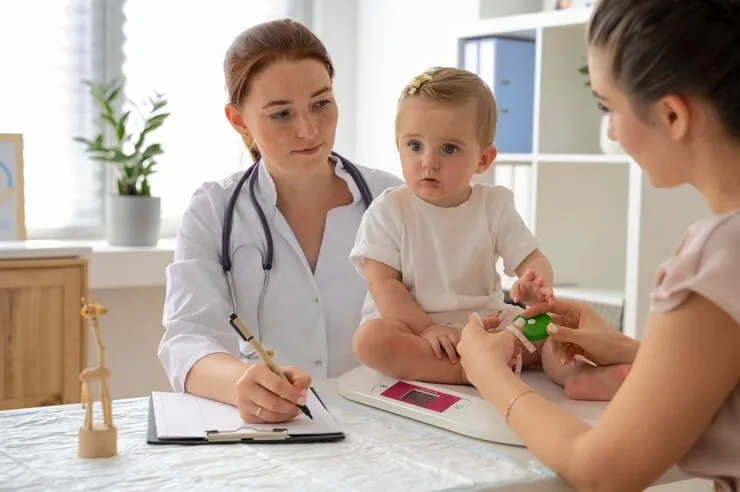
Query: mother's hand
{"points": [[581, 331], [481, 348]]}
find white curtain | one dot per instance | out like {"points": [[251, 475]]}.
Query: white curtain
{"points": [[45, 51]]}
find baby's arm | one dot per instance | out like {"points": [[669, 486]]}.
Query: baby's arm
{"points": [[535, 280], [393, 298]]}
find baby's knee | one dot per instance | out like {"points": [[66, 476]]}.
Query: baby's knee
{"points": [[375, 336]]}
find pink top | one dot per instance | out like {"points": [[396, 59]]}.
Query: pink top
{"points": [[707, 261]]}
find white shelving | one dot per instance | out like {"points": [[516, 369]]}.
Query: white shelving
{"points": [[589, 209], [564, 158], [526, 23]]}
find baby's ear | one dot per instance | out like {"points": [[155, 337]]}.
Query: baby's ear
{"points": [[489, 155]]}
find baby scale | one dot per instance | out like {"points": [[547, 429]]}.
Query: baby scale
{"points": [[456, 408]]}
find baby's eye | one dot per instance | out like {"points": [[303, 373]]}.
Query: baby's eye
{"points": [[414, 146], [449, 149], [280, 115]]}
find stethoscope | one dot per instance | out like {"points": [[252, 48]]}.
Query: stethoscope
{"points": [[251, 174]]}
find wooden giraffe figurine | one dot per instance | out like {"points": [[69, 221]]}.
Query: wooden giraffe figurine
{"points": [[96, 440]]}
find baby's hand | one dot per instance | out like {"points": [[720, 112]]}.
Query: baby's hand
{"points": [[439, 337], [530, 289]]}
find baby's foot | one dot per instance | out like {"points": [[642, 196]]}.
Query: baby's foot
{"points": [[596, 383]]}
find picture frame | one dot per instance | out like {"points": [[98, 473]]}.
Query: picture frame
{"points": [[12, 204]]}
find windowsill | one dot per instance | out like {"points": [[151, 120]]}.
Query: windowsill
{"points": [[111, 267]]}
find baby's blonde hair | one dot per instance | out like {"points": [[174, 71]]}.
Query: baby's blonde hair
{"points": [[455, 85]]}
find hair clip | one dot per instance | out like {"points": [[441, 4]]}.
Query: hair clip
{"points": [[416, 82]]}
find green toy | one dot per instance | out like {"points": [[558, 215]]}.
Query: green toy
{"points": [[535, 328]]}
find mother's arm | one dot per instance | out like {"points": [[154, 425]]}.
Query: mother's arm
{"points": [[686, 367]]}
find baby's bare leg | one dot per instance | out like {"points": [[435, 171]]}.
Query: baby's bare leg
{"points": [[582, 381], [389, 347]]}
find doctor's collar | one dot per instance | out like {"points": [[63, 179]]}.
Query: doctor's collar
{"points": [[340, 171], [266, 192]]}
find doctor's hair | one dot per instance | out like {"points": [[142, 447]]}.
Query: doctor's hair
{"points": [[679, 47], [259, 46], [454, 86]]}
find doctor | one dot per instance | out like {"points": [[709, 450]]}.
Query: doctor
{"points": [[282, 230]]}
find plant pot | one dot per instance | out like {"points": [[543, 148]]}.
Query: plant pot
{"points": [[608, 146], [132, 220]]}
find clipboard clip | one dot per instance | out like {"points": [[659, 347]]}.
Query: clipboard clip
{"points": [[247, 434]]}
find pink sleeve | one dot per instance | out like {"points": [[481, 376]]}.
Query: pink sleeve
{"points": [[708, 263]]}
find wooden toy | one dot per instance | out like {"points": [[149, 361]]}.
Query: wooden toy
{"points": [[96, 439]]}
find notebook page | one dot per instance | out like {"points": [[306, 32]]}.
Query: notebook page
{"points": [[177, 415], [183, 415]]}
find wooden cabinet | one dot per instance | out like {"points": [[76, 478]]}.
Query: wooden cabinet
{"points": [[42, 335]]}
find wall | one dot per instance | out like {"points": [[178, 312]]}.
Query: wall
{"points": [[499, 8], [659, 219], [131, 332], [397, 41], [335, 22]]}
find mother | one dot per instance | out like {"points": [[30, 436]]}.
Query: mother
{"points": [[668, 74]]}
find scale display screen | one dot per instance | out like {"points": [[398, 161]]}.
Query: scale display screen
{"points": [[419, 396]]}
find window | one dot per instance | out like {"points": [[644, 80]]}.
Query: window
{"points": [[186, 64], [175, 48], [44, 57]]}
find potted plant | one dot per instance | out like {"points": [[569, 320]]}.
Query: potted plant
{"points": [[608, 146], [132, 215]]}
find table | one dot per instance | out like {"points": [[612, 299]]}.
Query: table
{"points": [[382, 452]]}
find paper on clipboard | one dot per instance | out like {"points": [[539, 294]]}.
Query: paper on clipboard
{"points": [[186, 416]]}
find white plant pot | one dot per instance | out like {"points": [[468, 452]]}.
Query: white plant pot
{"points": [[132, 220], [608, 146]]}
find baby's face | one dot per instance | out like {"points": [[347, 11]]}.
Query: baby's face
{"points": [[439, 149]]}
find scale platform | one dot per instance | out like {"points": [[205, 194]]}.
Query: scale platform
{"points": [[456, 408]]}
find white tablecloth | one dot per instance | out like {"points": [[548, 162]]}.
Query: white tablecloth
{"points": [[382, 452]]}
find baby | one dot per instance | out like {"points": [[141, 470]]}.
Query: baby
{"points": [[428, 249]]}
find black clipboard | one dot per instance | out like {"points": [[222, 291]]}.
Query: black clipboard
{"points": [[277, 436]]}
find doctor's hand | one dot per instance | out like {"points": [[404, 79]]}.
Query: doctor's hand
{"points": [[440, 338], [263, 396], [483, 347]]}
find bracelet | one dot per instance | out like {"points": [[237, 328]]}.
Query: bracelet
{"points": [[511, 404]]}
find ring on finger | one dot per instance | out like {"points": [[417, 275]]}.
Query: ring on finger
{"points": [[259, 411]]}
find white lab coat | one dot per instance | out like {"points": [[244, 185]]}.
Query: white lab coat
{"points": [[308, 319]]}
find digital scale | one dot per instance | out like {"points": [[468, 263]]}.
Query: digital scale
{"points": [[456, 408]]}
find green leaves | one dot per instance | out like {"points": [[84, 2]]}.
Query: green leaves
{"points": [[135, 166]]}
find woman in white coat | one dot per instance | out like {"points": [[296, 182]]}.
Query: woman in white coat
{"points": [[304, 300]]}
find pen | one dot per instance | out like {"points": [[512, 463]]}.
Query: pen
{"points": [[245, 335]]}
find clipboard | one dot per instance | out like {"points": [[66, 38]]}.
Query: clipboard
{"points": [[279, 433]]}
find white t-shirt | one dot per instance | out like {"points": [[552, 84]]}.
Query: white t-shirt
{"points": [[447, 256]]}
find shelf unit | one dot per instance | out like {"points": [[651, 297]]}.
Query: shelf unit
{"points": [[594, 212]]}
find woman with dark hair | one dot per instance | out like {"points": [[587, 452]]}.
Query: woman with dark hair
{"points": [[668, 74], [295, 217]]}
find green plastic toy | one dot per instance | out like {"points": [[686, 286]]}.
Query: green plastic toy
{"points": [[535, 328]]}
